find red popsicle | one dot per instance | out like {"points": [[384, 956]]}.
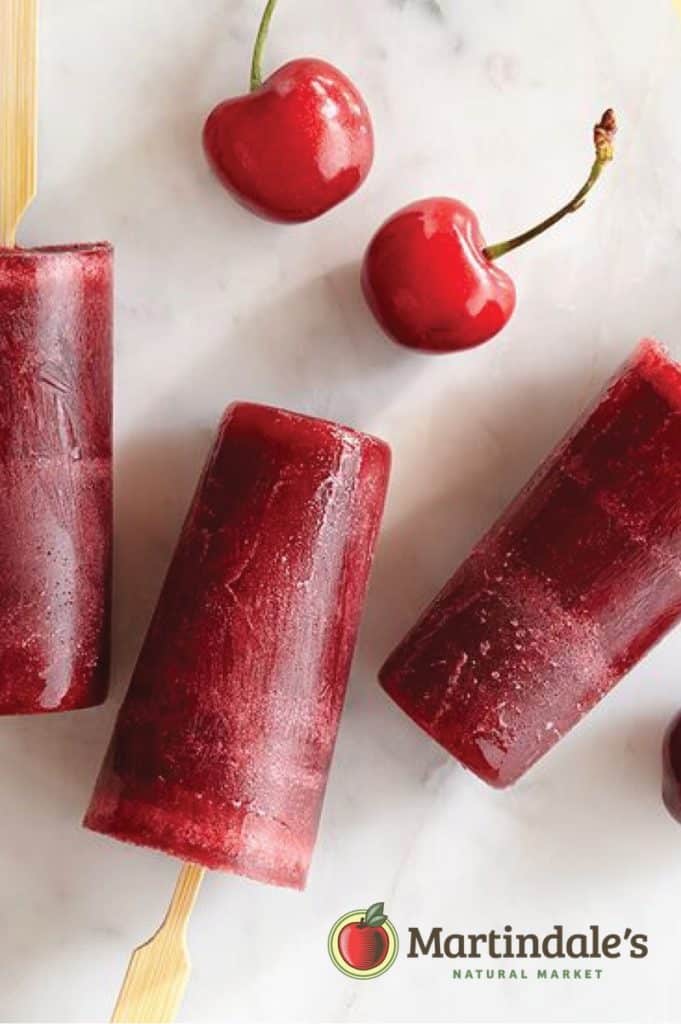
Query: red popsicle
{"points": [[571, 587], [223, 744], [55, 477]]}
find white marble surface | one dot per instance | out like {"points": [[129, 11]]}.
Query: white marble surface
{"points": [[490, 100]]}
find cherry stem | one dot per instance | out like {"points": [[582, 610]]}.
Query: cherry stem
{"points": [[604, 133], [256, 63]]}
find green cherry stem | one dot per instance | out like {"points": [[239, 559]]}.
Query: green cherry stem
{"points": [[256, 63], [604, 134]]}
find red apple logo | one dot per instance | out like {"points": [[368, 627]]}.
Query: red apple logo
{"points": [[363, 943]]}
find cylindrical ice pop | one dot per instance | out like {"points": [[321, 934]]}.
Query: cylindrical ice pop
{"points": [[222, 748], [55, 477], [573, 584]]}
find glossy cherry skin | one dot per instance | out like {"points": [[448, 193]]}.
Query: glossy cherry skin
{"points": [[362, 946], [428, 282], [296, 146], [671, 768]]}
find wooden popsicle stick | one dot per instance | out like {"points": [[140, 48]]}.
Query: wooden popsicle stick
{"points": [[18, 113], [158, 971]]}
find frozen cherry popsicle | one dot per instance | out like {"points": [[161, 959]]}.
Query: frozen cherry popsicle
{"points": [[568, 590], [55, 477], [222, 748]]}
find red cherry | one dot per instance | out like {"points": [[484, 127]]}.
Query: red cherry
{"points": [[362, 946], [297, 144], [671, 768], [430, 280]]}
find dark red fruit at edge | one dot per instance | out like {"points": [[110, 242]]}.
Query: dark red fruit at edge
{"points": [[362, 946], [671, 768], [294, 147], [428, 282]]}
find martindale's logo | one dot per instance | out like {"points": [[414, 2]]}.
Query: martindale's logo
{"points": [[363, 943]]}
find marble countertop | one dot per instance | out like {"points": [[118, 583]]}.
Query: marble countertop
{"points": [[489, 100]]}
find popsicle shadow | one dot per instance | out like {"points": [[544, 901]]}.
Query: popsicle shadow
{"points": [[155, 479]]}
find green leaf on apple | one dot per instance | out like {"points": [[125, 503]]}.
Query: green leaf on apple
{"points": [[375, 915]]}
